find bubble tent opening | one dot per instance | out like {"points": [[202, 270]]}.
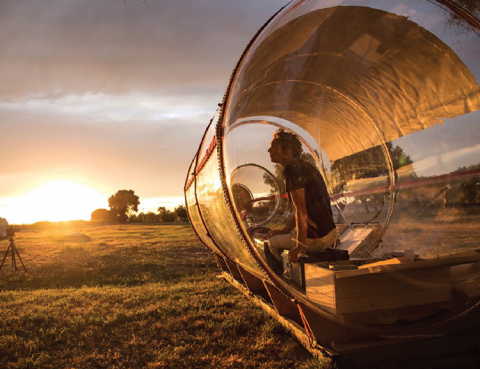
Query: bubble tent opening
{"points": [[385, 99]]}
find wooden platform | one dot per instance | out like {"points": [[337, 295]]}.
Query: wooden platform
{"points": [[460, 350]]}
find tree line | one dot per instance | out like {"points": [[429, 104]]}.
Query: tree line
{"points": [[124, 207]]}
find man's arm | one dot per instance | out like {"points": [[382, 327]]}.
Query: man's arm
{"points": [[301, 217], [287, 229]]}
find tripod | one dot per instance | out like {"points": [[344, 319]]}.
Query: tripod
{"points": [[14, 251]]}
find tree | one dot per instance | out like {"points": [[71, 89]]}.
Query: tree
{"points": [[165, 215], [151, 217], [181, 211], [123, 204], [370, 163], [101, 215], [399, 158]]}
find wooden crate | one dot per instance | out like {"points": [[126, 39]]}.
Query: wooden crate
{"points": [[370, 289]]}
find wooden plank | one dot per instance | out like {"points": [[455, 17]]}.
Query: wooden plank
{"points": [[393, 300], [325, 301], [320, 279], [392, 286], [378, 284], [327, 290], [399, 260], [380, 291], [405, 314], [463, 258], [314, 272], [319, 286], [425, 272]]}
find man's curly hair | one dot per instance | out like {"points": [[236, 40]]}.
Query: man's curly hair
{"points": [[289, 141]]}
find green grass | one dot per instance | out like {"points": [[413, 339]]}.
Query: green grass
{"points": [[135, 296]]}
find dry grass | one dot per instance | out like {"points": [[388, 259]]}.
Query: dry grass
{"points": [[134, 296]]}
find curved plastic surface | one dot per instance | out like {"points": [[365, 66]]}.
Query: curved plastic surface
{"points": [[210, 217]]}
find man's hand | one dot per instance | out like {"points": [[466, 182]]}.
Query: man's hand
{"points": [[293, 254]]}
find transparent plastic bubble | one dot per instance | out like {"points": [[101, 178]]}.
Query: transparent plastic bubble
{"points": [[384, 98]]}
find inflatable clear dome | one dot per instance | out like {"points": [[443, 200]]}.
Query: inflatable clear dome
{"points": [[383, 101]]}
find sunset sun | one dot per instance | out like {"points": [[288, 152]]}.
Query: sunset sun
{"points": [[54, 201]]}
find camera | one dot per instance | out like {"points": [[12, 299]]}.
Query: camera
{"points": [[11, 231]]}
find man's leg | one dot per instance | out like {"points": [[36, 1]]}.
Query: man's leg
{"points": [[279, 243], [321, 244]]}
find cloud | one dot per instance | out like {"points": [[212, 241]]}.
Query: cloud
{"points": [[55, 47], [448, 162], [102, 107]]}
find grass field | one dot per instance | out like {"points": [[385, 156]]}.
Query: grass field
{"points": [[133, 296]]}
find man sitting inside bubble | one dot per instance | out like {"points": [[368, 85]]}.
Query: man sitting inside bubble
{"points": [[312, 228]]}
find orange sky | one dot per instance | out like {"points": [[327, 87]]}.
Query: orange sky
{"points": [[112, 95]]}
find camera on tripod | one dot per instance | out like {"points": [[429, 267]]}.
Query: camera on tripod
{"points": [[12, 249]]}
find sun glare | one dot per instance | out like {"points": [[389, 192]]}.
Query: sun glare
{"points": [[55, 201]]}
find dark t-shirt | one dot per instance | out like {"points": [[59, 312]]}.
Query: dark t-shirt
{"points": [[300, 174]]}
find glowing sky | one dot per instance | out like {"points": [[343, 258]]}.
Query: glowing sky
{"points": [[113, 95]]}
